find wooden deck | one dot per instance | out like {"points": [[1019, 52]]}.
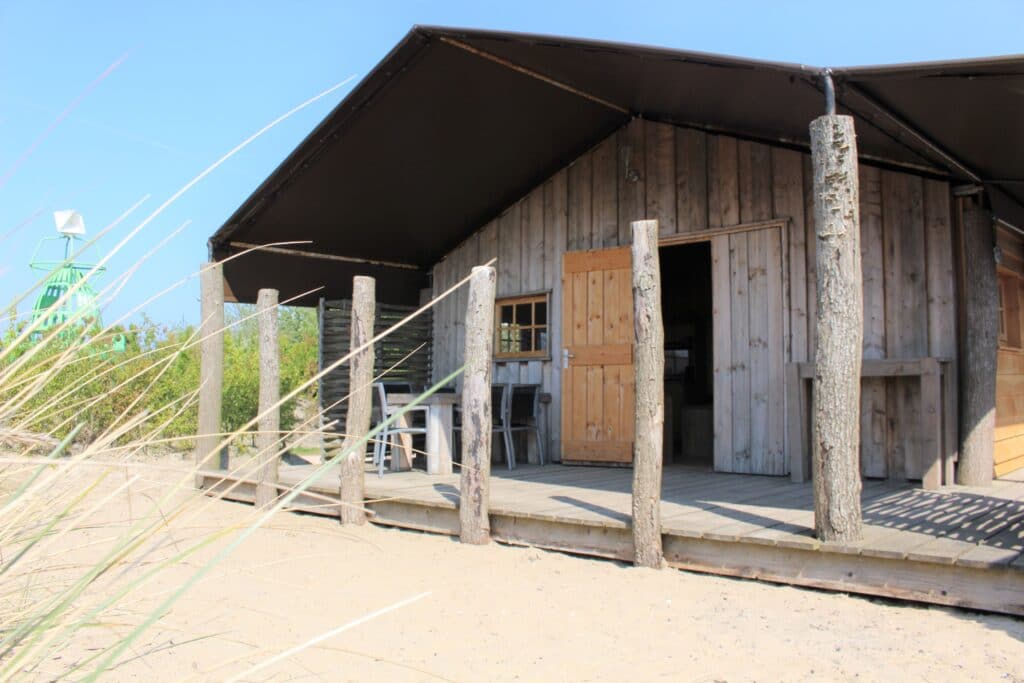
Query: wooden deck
{"points": [[955, 546]]}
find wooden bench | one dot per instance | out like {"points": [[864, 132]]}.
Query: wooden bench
{"points": [[938, 414]]}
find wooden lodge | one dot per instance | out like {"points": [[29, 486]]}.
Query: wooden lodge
{"points": [[536, 155]]}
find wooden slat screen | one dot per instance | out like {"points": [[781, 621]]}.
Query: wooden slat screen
{"points": [[335, 324]]}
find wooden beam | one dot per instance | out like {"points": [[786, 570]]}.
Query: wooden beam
{"points": [[649, 411], [981, 339], [836, 399], [532, 74], [478, 345], [360, 401], [883, 367], [707, 235], [211, 366], [908, 128], [302, 253], [268, 435]]}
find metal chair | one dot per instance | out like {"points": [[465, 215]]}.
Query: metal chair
{"points": [[500, 403], [388, 436], [524, 413]]}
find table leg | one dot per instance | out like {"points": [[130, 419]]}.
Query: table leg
{"points": [[439, 439], [949, 426], [404, 459], [797, 418], [931, 424]]}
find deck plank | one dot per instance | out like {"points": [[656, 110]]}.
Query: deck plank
{"points": [[1004, 544], [975, 525], [732, 520], [894, 527], [796, 531]]}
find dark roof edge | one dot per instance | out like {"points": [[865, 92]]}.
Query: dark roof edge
{"points": [[376, 78], [650, 50], [421, 36], [697, 56], [934, 67], [350, 105]]}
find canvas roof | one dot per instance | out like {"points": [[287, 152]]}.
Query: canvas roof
{"points": [[454, 125]]}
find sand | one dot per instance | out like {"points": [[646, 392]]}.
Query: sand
{"points": [[500, 613]]}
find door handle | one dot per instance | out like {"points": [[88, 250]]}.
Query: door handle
{"points": [[565, 358]]}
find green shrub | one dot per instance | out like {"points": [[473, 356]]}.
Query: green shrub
{"points": [[158, 370], [298, 339]]}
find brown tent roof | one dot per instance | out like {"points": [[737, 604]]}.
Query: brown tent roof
{"points": [[454, 125]]}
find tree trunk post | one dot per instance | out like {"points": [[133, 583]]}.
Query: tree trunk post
{"points": [[836, 396], [474, 487], [360, 401], [269, 426], [981, 342], [211, 365], [649, 334]]}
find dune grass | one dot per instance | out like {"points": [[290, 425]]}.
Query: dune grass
{"points": [[74, 578]]}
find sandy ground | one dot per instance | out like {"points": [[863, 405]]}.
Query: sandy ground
{"points": [[501, 613]]}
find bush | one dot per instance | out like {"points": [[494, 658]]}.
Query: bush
{"points": [[298, 339], [158, 370]]}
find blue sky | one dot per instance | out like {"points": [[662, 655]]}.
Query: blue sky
{"points": [[198, 77]]}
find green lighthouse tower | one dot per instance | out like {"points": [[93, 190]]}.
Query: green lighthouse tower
{"points": [[82, 305]]}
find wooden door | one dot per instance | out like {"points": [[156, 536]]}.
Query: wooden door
{"points": [[597, 358], [749, 352]]}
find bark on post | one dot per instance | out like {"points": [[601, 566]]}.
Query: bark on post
{"points": [[649, 411], [269, 426], [836, 396], [981, 301], [211, 366], [360, 401], [474, 488]]}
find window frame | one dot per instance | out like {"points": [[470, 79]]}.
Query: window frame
{"points": [[532, 298], [1009, 296]]}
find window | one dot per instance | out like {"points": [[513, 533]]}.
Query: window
{"points": [[1002, 310], [522, 327], [1009, 309]]}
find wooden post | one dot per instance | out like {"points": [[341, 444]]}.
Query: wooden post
{"points": [[840, 315], [474, 488], [269, 426], [981, 342], [649, 411], [360, 401], [211, 366]]}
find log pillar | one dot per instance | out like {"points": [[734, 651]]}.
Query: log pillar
{"points": [[649, 334], [211, 366], [474, 486], [360, 402], [836, 397], [268, 435], [981, 343]]}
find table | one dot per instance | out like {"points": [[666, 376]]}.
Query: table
{"points": [[937, 428], [440, 407]]}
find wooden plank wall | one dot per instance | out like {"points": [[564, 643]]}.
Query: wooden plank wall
{"points": [[692, 181], [909, 309], [1009, 448]]}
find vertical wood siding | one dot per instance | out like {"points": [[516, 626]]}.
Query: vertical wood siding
{"points": [[691, 181], [1009, 446]]}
